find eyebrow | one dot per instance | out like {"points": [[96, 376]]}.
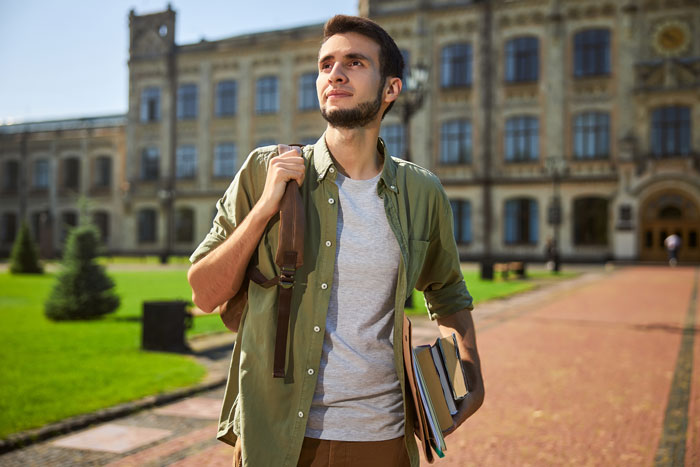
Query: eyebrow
{"points": [[347, 56]]}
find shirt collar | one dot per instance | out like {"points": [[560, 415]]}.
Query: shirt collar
{"points": [[323, 162]]}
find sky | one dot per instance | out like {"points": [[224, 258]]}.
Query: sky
{"points": [[64, 59]]}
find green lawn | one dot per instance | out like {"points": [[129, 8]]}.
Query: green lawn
{"points": [[51, 371], [484, 290]]}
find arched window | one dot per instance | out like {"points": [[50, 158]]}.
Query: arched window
{"points": [[456, 65], [592, 135], [103, 172], [184, 225], [462, 216], [590, 221], [456, 142], [147, 225], [522, 139], [522, 59], [521, 221], [101, 220], [592, 52], [670, 131], [71, 173], [225, 105]]}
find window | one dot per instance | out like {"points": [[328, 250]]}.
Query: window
{"points": [[9, 227], [150, 104], [10, 177], [71, 173], [406, 54], [187, 101], [147, 225], [103, 172], [184, 225], [521, 225], [225, 160], [456, 142], [456, 65], [670, 131], [39, 219], [590, 221], [186, 161], [69, 219], [308, 100], [462, 217], [592, 52], [41, 174], [522, 139], [522, 59], [266, 95], [592, 136], [101, 221], [226, 99], [150, 164], [393, 136]]}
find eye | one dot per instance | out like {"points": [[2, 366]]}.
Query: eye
{"points": [[356, 63]]}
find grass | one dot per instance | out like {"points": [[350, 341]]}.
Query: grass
{"points": [[51, 371], [484, 290]]}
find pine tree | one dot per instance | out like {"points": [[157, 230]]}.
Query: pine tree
{"points": [[83, 290], [24, 257]]}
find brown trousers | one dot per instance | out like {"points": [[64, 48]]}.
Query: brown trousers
{"points": [[326, 453]]}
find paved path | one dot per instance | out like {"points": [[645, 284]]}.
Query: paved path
{"points": [[600, 370]]}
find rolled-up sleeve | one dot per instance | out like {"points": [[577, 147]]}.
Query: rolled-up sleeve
{"points": [[441, 278], [237, 202]]}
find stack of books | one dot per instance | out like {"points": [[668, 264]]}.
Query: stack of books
{"points": [[438, 381]]}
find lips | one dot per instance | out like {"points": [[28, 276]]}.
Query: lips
{"points": [[338, 93]]}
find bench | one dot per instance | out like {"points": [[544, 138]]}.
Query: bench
{"points": [[516, 267]]}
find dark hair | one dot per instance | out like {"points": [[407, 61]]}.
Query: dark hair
{"points": [[390, 58]]}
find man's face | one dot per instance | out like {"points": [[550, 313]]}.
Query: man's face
{"points": [[349, 84]]}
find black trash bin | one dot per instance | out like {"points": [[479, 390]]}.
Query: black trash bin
{"points": [[163, 326]]}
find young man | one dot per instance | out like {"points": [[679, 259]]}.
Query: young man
{"points": [[376, 227]]}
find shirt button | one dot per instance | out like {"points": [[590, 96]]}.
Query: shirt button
{"points": [[392, 187], [328, 243], [317, 329], [331, 201], [324, 286], [331, 170], [301, 414], [311, 371]]}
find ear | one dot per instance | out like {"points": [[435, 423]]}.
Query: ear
{"points": [[392, 89]]}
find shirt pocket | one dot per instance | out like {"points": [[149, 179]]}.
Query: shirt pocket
{"points": [[416, 256]]}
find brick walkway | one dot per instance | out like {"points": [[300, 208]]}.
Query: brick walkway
{"points": [[594, 371]]}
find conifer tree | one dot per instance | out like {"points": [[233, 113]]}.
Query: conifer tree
{"points": [[24, 257], [82, 290]]}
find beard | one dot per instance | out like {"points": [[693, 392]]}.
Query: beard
{"points": [[356, 117]]}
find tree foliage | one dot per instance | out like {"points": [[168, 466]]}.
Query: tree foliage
{"points": [[24, 257], [83, 290]]}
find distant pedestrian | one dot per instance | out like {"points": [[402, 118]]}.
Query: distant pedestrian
{"points": [[552, 253], [673, 244]]}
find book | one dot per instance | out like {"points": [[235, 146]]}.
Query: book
{"points": [[434, 432], [430, 375], [456, 375], [444, 382]]}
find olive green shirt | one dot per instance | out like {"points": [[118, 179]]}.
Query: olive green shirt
{"points": [[270, 414]]}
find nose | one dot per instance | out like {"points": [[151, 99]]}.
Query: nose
{"points": [[336, 75]]}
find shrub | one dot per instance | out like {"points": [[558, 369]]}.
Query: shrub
{"points": [[83, 290], [24, 257]]}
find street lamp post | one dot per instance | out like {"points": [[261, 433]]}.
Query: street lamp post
{"points": [[556, 167], [411, 100]]}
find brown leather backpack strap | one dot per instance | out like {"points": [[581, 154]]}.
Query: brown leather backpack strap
{"points": [[289, 258]]}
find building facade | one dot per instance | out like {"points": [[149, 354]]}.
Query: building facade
{"points": [[574, 120]]}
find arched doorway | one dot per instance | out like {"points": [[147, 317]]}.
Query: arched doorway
{"points": [[670, 212]]}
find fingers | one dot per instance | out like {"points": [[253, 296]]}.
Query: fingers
{"points": [[288, 166]]}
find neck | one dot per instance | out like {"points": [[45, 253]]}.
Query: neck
{"points": [[355, 150]]}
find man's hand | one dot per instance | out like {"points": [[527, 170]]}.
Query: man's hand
{"points": [[462, 325], [283, 168]]}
